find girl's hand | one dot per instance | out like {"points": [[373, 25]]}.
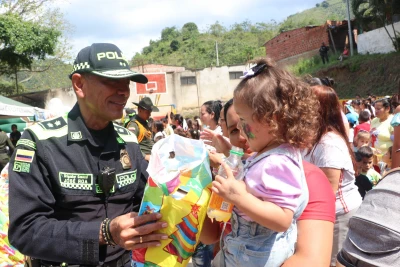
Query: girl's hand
{"points": [[229, 188]]}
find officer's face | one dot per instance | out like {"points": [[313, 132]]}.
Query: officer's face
{"points": [[105, 98]]}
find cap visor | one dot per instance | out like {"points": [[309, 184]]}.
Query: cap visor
{"points": [[122, 73]]}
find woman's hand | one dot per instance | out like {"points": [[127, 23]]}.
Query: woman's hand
{"points": [[229, 188]]}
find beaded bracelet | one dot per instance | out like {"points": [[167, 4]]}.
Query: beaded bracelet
{"points": [[105, 231]]}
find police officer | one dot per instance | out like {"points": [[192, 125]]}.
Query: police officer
{"points": [[76, 180], [140, 128]]}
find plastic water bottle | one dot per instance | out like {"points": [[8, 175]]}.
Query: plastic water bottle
{"points": [[218, 208]]}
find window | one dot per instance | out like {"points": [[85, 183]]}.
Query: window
{"points": [[235, 75], [188, 80]]}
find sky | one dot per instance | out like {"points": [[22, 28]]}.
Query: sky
{"points": [[131, 24]]}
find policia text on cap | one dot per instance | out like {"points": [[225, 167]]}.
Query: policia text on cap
{"points": [[77, 180]]}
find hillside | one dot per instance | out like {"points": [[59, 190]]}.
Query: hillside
{"points": [[326, 10], [237, 43], [363, 74]]}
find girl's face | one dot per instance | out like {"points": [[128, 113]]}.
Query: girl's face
{"points": [[362, 141], [256, 133], [236, 139], [205, 117]]}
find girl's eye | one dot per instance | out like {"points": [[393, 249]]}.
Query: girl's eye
{"points": [[234, 131]]}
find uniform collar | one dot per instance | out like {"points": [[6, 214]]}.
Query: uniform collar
{"points": [[78, 131], [142, 121]]}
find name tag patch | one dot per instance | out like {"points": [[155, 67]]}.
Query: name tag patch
{"points": [[81, 181], [23, 155], [126, 178]]}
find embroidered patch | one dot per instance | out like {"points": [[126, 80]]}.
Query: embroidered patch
{"points": [[53, 124], [76, 135], [120, 140], [81, 181], [126, 178], [24, 155], [27, 142], [99, 191], [21, 167]]}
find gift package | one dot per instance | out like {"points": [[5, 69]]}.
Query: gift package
{"points": [[179, 187]]}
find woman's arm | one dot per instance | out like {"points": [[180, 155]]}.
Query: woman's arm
{"points": [[314, 244], [333, 177], [396, 144], [210, 232]]}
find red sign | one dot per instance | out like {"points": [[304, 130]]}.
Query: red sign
{"points": [[157, 84]]}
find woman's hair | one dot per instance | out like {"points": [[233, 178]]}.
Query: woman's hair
{"points": [[331, 119], [189, 123], [159, 126], [226, 107], [367, 105], [179, 118], [385, 104], [395, 101], [194, 134], [281, 100], [181, 132], [390, 152], [214, 106]]}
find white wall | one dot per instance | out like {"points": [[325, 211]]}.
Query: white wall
{"points": [[377, 41], [211, 84]]}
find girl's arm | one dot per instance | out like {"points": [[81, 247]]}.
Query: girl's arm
{"points": [[264, 213], [314, 244]]}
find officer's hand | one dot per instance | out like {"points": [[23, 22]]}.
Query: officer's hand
{"points": [[131, 231]]}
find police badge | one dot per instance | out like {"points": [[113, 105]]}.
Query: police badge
{"points": [[125, 161]]}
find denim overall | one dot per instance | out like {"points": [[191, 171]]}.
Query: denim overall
{"points": [[250, 244]]}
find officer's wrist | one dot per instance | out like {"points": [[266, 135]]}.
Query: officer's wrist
{"points": [[102, 241]]}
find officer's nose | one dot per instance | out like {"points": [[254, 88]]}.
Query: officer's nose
{"points": [[123, 89]]}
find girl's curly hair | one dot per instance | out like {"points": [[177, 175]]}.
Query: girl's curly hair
{"points": [[283, 102]]}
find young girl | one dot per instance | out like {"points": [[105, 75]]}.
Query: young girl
{"points": [[278, 117]]}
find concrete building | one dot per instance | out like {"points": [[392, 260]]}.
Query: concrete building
{"points": [[187, 89]]}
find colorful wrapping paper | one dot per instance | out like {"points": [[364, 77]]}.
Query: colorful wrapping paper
{"points": [[178, 188], [9, 256]]}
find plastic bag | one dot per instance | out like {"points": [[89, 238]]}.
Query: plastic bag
{"points": [[179, 188]]}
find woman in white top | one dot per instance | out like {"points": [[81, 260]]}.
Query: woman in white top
{"points": [[209, 115], [334, 156]]}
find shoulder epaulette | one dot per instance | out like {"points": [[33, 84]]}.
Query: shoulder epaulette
{"points": [[55, 127], [125, 134]]}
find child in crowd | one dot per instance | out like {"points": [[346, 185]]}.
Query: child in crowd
{"points": [[363, 123], [278, 117], [158, 130], [362, 139], [364, 158], [386, 164]]}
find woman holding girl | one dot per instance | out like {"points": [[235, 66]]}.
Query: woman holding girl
{"points": [[277, 117]]}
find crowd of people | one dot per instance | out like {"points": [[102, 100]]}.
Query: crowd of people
{"points": [[313, 192]]}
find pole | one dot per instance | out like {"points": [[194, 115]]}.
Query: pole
{"points": [[216, 49], [349, 25], [333, 41]]}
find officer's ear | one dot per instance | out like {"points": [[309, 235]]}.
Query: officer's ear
{"points": [[77, 84]]}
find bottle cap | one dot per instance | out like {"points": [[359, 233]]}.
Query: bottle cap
{"points": [[237, 151]]}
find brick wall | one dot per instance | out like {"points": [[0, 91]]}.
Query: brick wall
{"points": [[296, 42]]}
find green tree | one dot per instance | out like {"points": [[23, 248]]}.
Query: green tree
{"points": [[379, 12], [189, 30], [325, 4], [169, 33]]}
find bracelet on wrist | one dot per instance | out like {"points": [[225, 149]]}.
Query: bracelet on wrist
{"points": [[105, 231]]}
